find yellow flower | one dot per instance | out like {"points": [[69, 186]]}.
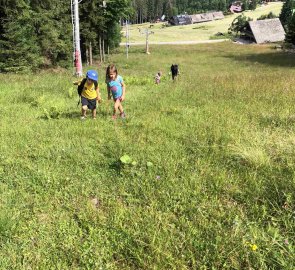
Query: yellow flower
{"points": [[254, 247]]}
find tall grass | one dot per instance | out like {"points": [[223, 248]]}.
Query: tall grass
{"points": [[212, 180]]}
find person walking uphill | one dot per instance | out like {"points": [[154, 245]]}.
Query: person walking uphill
{"points": [[116, 86], [90, 94]]}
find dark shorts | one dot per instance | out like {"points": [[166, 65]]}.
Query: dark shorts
{"points": [[90, 103], [119, 98]]}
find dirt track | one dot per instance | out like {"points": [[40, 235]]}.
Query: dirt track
{"points": [[174, 42]]}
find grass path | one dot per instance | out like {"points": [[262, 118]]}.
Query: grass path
{"points": [[213, 175]]}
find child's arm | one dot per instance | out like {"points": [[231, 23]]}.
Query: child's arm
{"points": [[123, 91], [77, 82], [98, 98], [109, 92]]}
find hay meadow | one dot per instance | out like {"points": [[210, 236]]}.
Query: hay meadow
{"points": [[194, 32], [199, 176]]}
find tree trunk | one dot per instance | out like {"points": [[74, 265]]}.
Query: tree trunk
{"points": [[100, 50], [87, 56], [90, 54], [103, 53]]}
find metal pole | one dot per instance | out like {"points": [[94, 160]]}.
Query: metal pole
{"points": [[127, 38], [147, 42], [78, 60]]}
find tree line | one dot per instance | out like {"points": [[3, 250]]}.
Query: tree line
{"points": [[39, 33], [287, 18], [150, 10]]}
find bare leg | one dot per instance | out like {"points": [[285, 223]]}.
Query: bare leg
{"points": [[120, 107], [116, 106], [83, 111], [94, 113]]}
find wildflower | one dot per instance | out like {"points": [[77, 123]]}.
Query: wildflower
{"points": [[254, 247], [158, 177], [286, 242]]}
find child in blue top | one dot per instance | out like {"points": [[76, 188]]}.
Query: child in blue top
{"points": [[116, 86]]}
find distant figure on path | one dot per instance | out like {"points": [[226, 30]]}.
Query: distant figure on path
{"points": [[158, 77], [174, 71], [116, 86]]}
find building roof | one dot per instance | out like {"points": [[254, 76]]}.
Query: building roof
{"points": [[218, 15], [205, 17], [265, 31]]}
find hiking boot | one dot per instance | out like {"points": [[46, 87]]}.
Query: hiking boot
{"points": [[83, 117]]}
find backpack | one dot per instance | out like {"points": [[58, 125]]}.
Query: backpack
{"points": [[81, 87]]}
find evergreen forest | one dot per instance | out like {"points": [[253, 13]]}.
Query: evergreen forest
{"points": [[38, 33]]}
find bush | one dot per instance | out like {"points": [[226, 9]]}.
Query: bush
{"points": [[290, 34], [270, 15], [239, 25]]}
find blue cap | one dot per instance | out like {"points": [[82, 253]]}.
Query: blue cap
{"points": [[92, 75]]}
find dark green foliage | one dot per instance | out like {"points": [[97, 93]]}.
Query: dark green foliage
{"points": [[245, 5], [37, 33], [114, 36], [34, 34], [270, 15], [239, 25], [222, 5], [18, 49], [286, 13], [114, 12], [97, 22], [150, 10], [253, 4], [54, 31], [290, 35]]}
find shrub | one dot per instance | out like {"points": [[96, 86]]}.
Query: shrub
{"points": [[270, 15], [239, 25]]}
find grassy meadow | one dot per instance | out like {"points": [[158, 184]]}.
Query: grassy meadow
{"points": [[195, 32], [207, 178]]}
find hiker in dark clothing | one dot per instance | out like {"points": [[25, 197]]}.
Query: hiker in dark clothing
{"points": [[174, 71]]}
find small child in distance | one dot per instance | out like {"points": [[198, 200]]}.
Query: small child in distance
{"points": [[158, 77]]}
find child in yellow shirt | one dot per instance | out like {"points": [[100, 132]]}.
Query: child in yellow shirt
{"points": [[90, 94]]}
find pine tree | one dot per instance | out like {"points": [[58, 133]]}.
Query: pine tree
{"points": [[290, 35], [54, 31], [100, 25], [286, 13], [34, 33], [245, 5], [253, 4], [18, 46]]}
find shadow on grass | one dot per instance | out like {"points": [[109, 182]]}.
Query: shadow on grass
{"points": [[70, 115], [116, 166], [77, 114], [277, 121], [280, 59]]}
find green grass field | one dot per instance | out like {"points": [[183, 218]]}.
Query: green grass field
{"points": [[212, 180], [195, 32]]}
